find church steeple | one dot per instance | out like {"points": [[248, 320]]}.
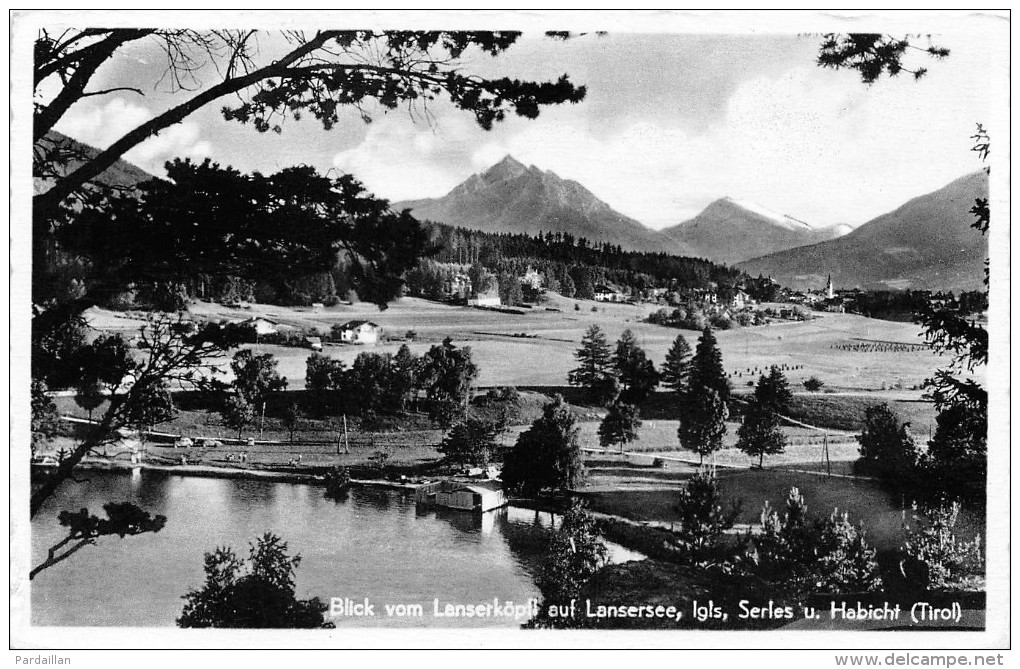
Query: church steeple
{"points": [[830, 291]]}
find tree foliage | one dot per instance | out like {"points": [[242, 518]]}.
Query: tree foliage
{"points": [[547, 455], [295, 222], [255, 376], [45, 418], [447, 373], [255, 593], [291, 419], [594, 371], [871, 55], [701, 516], [703, 423], [707, 367], [576, 552], [886, 447], [933, 557], [760, 434], [238, 413], [472, 441], [957, 457], [677, 367], [636, 373], [84, 529], [172, 351], [272, 78], [620, 425], [830, 555]]}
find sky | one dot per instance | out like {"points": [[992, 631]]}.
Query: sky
{"points": [[671, 122]]}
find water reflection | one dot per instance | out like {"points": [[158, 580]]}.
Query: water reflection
{"points": [[377, 544]]}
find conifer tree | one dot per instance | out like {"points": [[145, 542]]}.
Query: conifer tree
{"points": [[595, 364], [635, 371], [677, 367], [704, 423], [759, 434], [707, 367]]}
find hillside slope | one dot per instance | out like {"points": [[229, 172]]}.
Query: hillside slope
{"points": [[729, 231], [121, 173], [926, 243]]}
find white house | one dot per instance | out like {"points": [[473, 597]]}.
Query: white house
{"points": [[264, 326], [359, 332], [741, 299], [606, 293]]}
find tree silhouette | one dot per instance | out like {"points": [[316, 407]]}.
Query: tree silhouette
{"points": [[547, 455], [238, 413], [677, 367], [255, 593], [873, 55], [620, 425], [707, 367], [704, 423], [634, 370], [319, 74], [594, 372], [255, 376], [84, 529]]}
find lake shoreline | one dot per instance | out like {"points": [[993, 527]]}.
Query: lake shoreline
{"points": [[210, 471]]}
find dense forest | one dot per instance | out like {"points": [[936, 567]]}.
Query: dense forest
{"points": [[574, 266]]}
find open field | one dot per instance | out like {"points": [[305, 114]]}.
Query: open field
{"points": [[545, 357]]}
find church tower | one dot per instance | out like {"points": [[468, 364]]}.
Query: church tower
{"points": [[830, 292]]}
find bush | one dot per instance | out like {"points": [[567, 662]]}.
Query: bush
{"points": [[702, 519], [932, 558], [822, 556], [814, 384]]}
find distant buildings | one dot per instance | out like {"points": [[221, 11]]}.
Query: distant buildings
{"points": [[264, 326], [359, 332], [607, 293]]}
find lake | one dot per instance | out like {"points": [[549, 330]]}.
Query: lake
{"points": [[373, 545]]}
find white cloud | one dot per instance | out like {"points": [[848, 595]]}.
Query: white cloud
{"points": [[102, 124], [401, 160], [815, 144]]}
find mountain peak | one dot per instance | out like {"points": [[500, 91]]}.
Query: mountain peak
{"points": [[508, 168], [780, 220]]}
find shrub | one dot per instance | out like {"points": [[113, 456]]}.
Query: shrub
{"points": [[702, 519], [814, 384], [830, 555], [932, 557]]}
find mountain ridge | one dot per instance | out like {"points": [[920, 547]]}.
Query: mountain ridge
{"points": [[927, 242]]}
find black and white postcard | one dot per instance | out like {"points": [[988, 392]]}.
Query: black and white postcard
{"points": [[510, 329]]}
